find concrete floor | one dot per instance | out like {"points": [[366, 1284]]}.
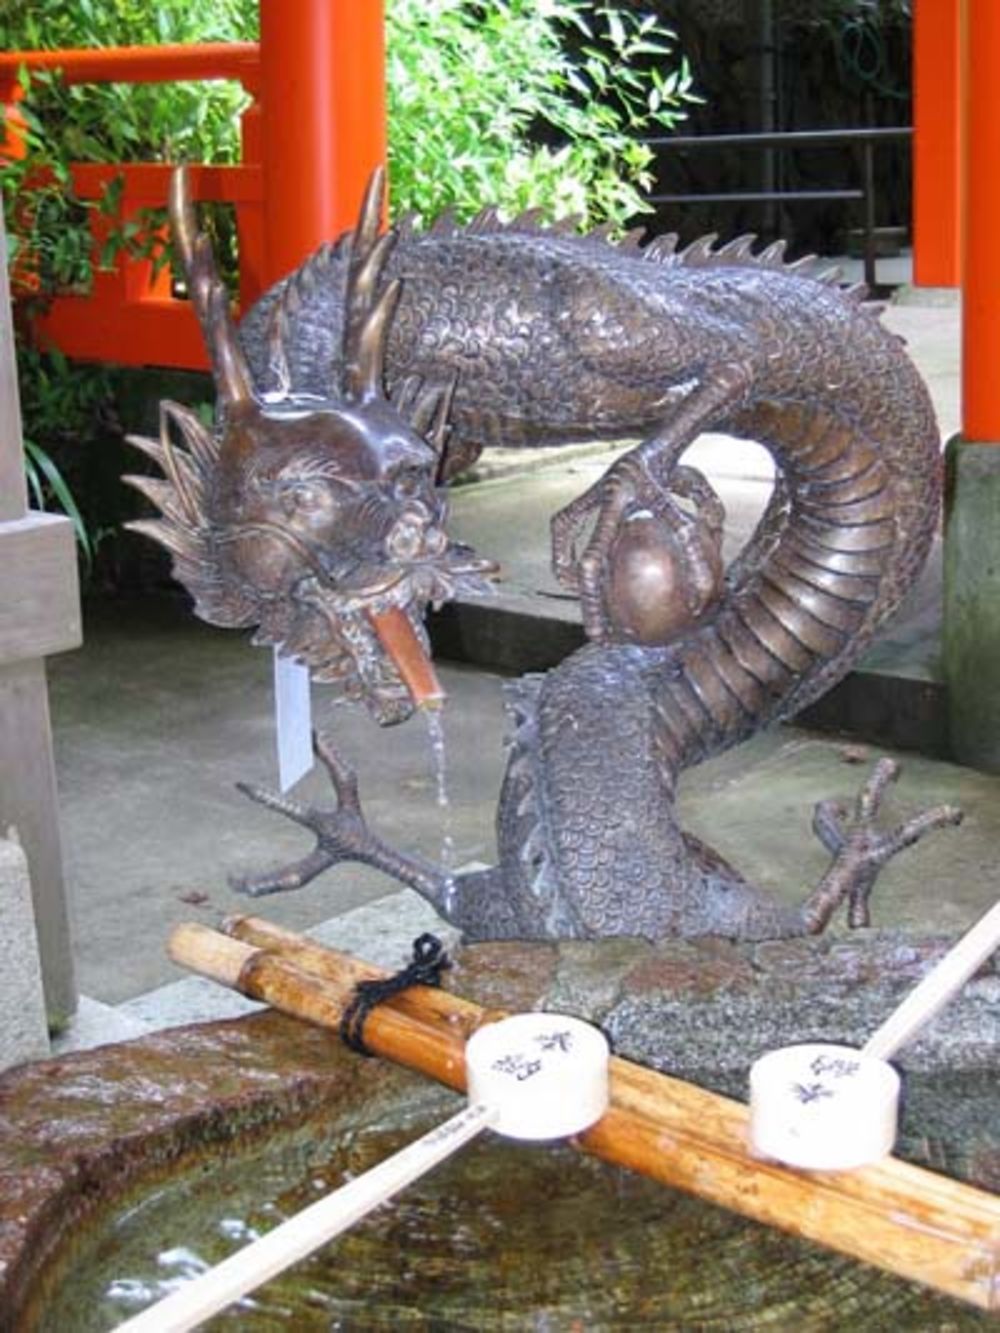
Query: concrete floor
{"points": [[158, 716]]}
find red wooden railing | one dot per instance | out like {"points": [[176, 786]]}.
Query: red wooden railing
{"points": [[310, 138], [129, 314]]}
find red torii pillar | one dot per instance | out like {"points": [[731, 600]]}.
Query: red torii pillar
{"points": [[936, 143], [323, 127], [972, 525], [981, 222]]}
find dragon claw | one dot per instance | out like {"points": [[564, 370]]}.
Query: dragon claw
{"points": [[604, 506], [341, 833], [860, 850]]}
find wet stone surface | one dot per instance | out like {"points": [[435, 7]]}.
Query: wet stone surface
{"points": [[746, 999]]}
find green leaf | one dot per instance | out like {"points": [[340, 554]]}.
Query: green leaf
{"points": [[45, 467]]}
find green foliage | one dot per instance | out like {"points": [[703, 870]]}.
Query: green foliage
{"points": [[65, 408], [527, 103], [47, 483], [517, 103], [859, 32], [120, 122]]}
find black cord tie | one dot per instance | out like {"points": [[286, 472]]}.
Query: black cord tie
{"points": [[429, 961]]}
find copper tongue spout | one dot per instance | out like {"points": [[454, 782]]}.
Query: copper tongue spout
{"points": [[398, 638]]}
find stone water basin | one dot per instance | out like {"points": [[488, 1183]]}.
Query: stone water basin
{"points": [[123, 1169]]}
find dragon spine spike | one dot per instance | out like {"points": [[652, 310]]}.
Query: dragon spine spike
{"points": [[277, 353], [602, 232], [739, 248], [367, 313], [424, 408], [531, 219], [438, 433], [444, 224], [633, 239], [406, 224], [364, 372], [370, 216], [700, 250], [486, 220], [567, 226], [405, 394], [773, 255], [661, 248]]}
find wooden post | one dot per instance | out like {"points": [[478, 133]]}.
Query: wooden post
{"points": [[323, 127], [936, 144], [39, 614]]}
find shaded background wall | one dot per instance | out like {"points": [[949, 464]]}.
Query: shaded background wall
{"points": [[768, 65]]}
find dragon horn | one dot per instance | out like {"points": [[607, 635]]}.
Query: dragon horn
{"points": [[367, 316], [233, 381]]}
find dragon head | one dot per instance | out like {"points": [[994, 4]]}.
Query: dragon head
{"points": [[317, 519]]}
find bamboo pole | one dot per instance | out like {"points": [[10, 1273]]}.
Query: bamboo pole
{"points": [[896, 1216]]}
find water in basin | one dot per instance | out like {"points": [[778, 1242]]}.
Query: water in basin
{"points": [[505, 1236]]}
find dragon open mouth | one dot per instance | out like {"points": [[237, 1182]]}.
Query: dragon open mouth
{"points": [[369, 641]]}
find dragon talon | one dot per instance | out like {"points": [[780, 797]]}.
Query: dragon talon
{"points": [[829, 818], [272, 801], [869, 801], [860, 851], [342, 777]]}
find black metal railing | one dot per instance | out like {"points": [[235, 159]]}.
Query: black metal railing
{"points": [[786, 141]]}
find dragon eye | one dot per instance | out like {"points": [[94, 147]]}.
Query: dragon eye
{"points": [[307, 498], [307, 495]]}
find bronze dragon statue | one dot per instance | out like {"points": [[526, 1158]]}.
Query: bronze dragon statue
{"points": [[531, 335]]}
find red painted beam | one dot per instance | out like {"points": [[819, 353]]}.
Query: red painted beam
{"points": [[140, 64], [147, 182], [323, 122], [137, 333], [936, 144], [981, 221]]}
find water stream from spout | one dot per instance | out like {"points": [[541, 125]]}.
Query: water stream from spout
{"points": [[439, 758]]}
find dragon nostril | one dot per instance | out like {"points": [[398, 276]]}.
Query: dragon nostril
{"points": [[406, 538], [435, 541], [414, 535]]}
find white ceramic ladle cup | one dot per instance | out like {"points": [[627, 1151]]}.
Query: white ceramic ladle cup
{"points": [[825, 1107], [531, 1076]]}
